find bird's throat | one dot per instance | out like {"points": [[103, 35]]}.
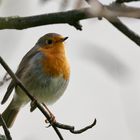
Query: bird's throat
{"points": [[55, 62]]}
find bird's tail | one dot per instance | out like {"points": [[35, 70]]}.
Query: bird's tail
{"points": [[10, 113]]}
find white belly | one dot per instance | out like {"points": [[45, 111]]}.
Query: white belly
{"points": [[52, 91], [46, 91]]}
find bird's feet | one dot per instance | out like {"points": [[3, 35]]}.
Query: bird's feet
{"points": [[52, 119]]}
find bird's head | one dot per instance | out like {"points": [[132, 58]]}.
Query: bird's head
{"points": [[51, 41]]}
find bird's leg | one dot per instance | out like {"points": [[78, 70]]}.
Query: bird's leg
{"points": [[52, 117]]}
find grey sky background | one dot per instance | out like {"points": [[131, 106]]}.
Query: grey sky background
{"points": [[105, 76]]}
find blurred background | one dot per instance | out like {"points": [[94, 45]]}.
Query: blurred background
{"points": [[105, 74]]}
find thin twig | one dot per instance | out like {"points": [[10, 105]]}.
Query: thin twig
{"points": [[122, 1], [5, 79], [72, 129], [7, 133]]}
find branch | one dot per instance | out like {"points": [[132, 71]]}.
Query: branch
{"points": [[112, 10], [55, 125], [124, 29], [121, 10], [72, 129], [122, 1], [7, 133], [102, 11], [70, 17]]}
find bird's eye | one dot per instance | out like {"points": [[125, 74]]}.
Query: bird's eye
{"points": [[49, 41]]}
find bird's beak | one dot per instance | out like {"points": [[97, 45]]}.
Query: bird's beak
{"points": [[63, 39]]}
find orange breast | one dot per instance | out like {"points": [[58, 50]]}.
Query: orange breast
{"points": [[55, 62]]}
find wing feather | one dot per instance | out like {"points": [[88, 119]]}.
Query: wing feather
{"points": [[23, 64]]}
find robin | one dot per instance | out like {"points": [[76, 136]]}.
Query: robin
{"points": [[44, 71]]}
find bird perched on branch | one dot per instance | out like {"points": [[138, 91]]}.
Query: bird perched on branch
{"points": [[45, 73]]}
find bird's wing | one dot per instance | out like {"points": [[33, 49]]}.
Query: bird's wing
{"points": [[25, 61], [23, 64]]}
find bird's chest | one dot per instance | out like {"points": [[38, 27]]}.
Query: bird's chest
{"points": [[56, 65]]}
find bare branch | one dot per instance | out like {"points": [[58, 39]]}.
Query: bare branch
{"points": [[121, 10], [124, 29], [72, 129], [122, 1], [7, 133], [69, 17], [101, 10], [72, 16], [113, 10]]}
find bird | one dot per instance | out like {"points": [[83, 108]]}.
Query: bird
{"points": [[44, 71]]}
